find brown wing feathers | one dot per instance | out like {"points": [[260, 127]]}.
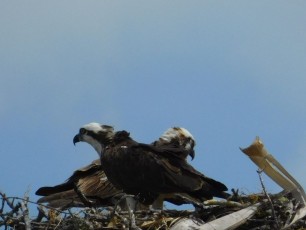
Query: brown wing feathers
{"points": [[154, 169], [89, 180]]}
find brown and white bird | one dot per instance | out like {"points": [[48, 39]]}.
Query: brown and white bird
{"points": [[147, 170], [90, 186]]}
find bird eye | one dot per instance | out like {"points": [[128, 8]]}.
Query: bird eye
{"points": [[83, 131]]}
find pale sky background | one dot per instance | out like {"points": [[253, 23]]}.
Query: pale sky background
{"points": [[225, 70]]}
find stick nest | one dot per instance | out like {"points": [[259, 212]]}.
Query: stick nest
{"points": [[14, 214]]}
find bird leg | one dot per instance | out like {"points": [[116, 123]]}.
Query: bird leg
{"points": [[130, 206], [81, 195]]}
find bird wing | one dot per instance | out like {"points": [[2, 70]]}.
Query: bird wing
{"points": [[173, 158], [90, 181], [70, 182], [152, 168]]}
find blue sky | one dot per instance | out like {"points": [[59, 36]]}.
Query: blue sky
{"points": [[225, 70]]}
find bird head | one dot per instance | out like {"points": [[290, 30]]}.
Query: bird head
{"points": [[179, 136], [95, 134]]}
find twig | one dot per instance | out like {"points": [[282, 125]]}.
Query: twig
{"points": [[4, 197], [31, 202], [58, 224], [41, 214], [268, 197], [2, 206], [26, 218]]}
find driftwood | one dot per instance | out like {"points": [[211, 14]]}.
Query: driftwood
{"points": [[268, 164], [285, 210]]}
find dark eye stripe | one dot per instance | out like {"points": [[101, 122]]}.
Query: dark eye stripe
{"points": [[83, 131]]}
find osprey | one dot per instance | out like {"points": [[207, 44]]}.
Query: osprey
{"points": [[148, 170], [89, 185]]}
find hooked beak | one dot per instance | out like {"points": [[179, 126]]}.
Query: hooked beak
{"points": [[192, 154], [76, 139]]}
